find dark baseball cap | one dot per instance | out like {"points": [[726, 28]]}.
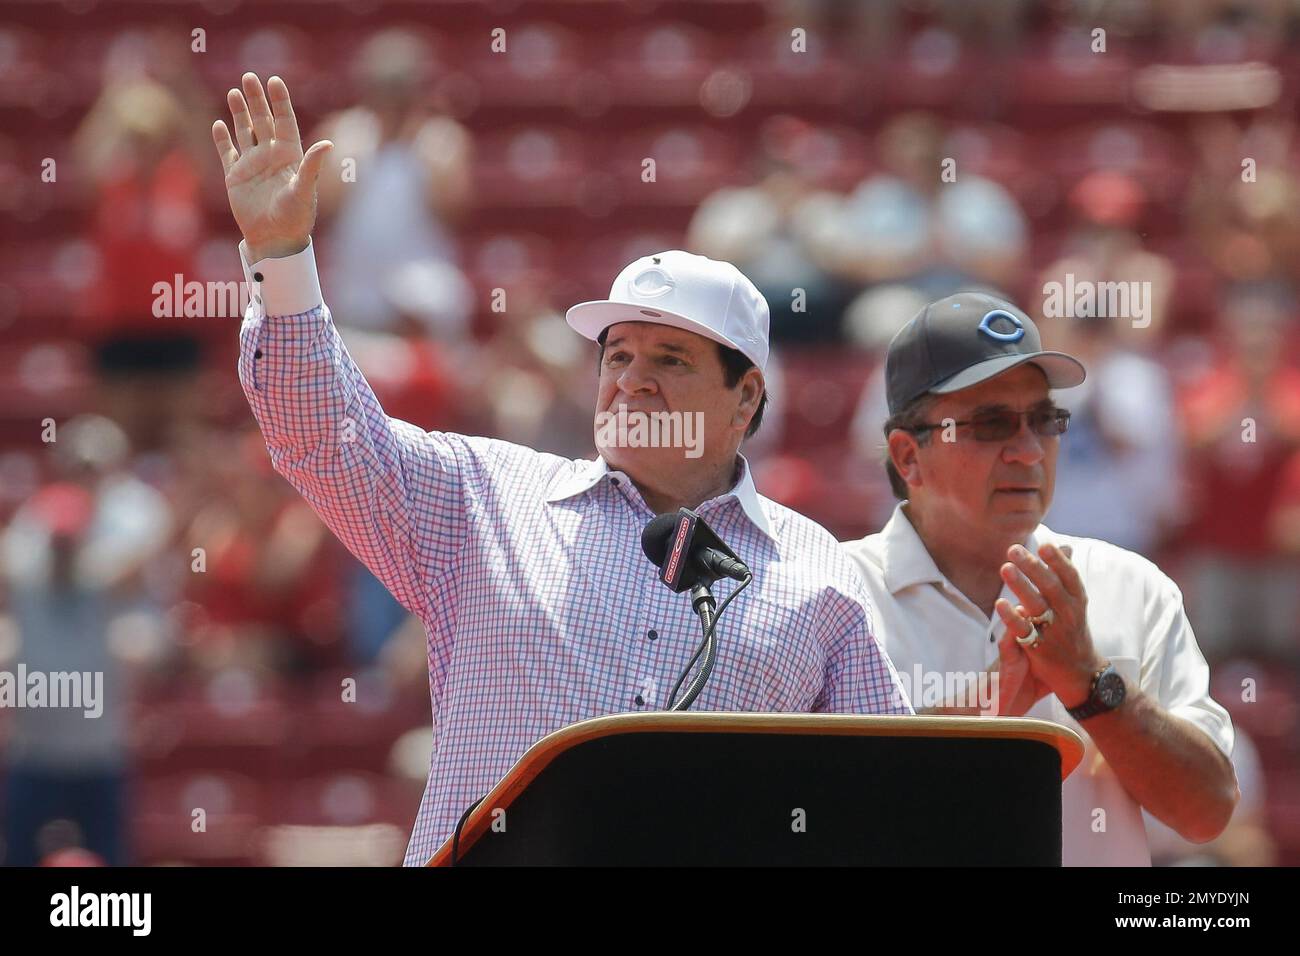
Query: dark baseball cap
{"points": [[963, 340]]}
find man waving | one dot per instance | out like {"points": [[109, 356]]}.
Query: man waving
{"points": [[525, 567]]}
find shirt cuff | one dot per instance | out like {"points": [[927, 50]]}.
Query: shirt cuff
{"points": [[287, 286]]}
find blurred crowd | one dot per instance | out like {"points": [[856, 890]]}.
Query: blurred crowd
{"points": [[146, 536]]}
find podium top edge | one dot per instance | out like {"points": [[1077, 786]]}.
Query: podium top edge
{"points": [[1031, 728]]}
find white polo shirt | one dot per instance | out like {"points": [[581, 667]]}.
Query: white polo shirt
{"points": [[1137, 621]]}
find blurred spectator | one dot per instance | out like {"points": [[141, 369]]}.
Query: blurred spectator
{"points": [[97, 564], [910, 223], [73, 558], [1103, 246], [270, 582], [1119, 473], [1216, 31], [1284, 521], [767, 231], [1246, 221], [1284, 533], [875, 29], [872, 321], [72, 856], [375, 618], [399, 175], [867, 29], [136, 148], [1242, 418], [538, 379]]}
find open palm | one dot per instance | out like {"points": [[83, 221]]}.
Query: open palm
{"points": [[270, 183]]}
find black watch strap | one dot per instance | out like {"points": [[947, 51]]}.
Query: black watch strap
{"points": [[1107, 693]]}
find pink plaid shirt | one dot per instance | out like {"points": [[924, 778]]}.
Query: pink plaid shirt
{"points": [[526, 568]]}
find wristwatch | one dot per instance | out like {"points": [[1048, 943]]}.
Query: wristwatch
{"points": [[1107, 693]]}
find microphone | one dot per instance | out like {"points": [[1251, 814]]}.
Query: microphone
{"points": [[688, 552], [690, 555]]}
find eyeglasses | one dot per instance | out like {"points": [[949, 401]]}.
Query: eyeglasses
{"points": [[1000, 426]]}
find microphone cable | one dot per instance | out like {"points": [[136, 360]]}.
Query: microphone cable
{"points": [[709, 643]]}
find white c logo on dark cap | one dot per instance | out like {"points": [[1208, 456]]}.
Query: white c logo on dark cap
{"points": [[1016, 333]]}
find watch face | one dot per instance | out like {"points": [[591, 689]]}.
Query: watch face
{"points": [[1110, 689]]}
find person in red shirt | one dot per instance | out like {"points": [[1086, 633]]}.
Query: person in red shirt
{"points": [[1242, 424]]}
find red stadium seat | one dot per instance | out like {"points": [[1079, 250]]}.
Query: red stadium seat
{"points": [[821, 394], [1142, 150], [230, 724], [834, 157], [348, 799], [23, 58], [1282, 815], [660, 64], [809, 82], [333, 734], [530, 166], [542, 65], [1062, 72], [164, 821], [689, 163]]}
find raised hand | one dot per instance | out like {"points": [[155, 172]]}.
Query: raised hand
{"points": [[271, 185], [1064, 658]]}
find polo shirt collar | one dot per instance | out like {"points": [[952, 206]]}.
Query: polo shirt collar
{"points": [[589, 473], [907, 561]]}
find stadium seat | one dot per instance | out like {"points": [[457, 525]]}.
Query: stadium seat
{"points": [[167, 827], [347, 799], [228, 724]]}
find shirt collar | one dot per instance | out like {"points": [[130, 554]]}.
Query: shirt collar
{"points": [[907, 561], [587, 474], [584, 476]]}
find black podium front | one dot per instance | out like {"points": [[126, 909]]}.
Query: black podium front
{"points": [[710, 789]]}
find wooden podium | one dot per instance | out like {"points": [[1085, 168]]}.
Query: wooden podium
{"points": [[720, 789]]}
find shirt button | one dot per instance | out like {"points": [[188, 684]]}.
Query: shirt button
{"points": [[257, 277], [614, 482], [257, 354], [640, 701], [652, 634]]}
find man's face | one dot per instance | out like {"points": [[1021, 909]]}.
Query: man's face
{"points": [[653, 368], [995, 489]]}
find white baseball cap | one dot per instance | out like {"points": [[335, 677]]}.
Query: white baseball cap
{"points": [[685, 291]]}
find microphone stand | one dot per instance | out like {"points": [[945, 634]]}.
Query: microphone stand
{"points": [[703, 604]]}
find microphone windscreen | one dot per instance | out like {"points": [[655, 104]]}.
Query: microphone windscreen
{"points": [[656, 536]]}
